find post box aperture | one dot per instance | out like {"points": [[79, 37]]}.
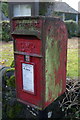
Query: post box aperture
{"points": [[40, 50]]}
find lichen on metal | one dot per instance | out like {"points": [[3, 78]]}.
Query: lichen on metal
{"points": [[28, 24], [44, 39], [28, 27], [52, 60]]}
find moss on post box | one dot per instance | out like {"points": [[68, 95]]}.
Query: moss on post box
{"points": [[44, 39], [52, 60]]}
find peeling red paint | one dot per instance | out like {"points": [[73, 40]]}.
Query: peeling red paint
{"points": [[44, 39]]}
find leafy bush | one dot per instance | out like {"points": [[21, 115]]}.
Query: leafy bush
{"points": [[4, 8], [12, 64], [6, 31], [72, 28], [79, 28], [10, 78], [11, 108]]}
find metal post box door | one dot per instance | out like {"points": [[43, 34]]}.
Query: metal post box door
{"points": [[29, 69]]}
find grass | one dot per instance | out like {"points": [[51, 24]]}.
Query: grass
{"points": [[72, 63], [6, 52], [72, 57]]}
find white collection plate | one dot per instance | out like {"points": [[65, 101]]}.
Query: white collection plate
{"points": [[28, 77]]}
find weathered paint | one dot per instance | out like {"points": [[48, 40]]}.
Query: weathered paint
{"points": [[26, 44], [52, 61], [47, 51], [28, 27]]}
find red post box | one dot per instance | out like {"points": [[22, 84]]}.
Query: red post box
{"points": [[40, 45]]}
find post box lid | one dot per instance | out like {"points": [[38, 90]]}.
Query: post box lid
{"points": [[27, 26], [26, 32]]}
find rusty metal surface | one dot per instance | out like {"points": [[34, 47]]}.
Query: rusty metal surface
{"points": [[55, 59], [27, 26], [48, 52]]}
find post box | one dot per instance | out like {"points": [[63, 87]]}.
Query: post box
{"points": [[40, 50]]}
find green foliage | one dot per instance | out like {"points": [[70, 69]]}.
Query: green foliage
{"points": [[43, 8], [10, 78], [12, 64], [14, 110], [58, 14], [11, 69], [70, 16], [5, 25], [11, 81], [72, 28], [4, 6], [6, 31], [79, 27]]}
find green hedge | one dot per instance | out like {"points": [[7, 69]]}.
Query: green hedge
{"points": [[79, 28], [11, 108], [5, 31], [72, 28]]}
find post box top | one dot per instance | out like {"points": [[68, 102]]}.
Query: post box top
{"points": [[32, 25], [34, 17]]}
